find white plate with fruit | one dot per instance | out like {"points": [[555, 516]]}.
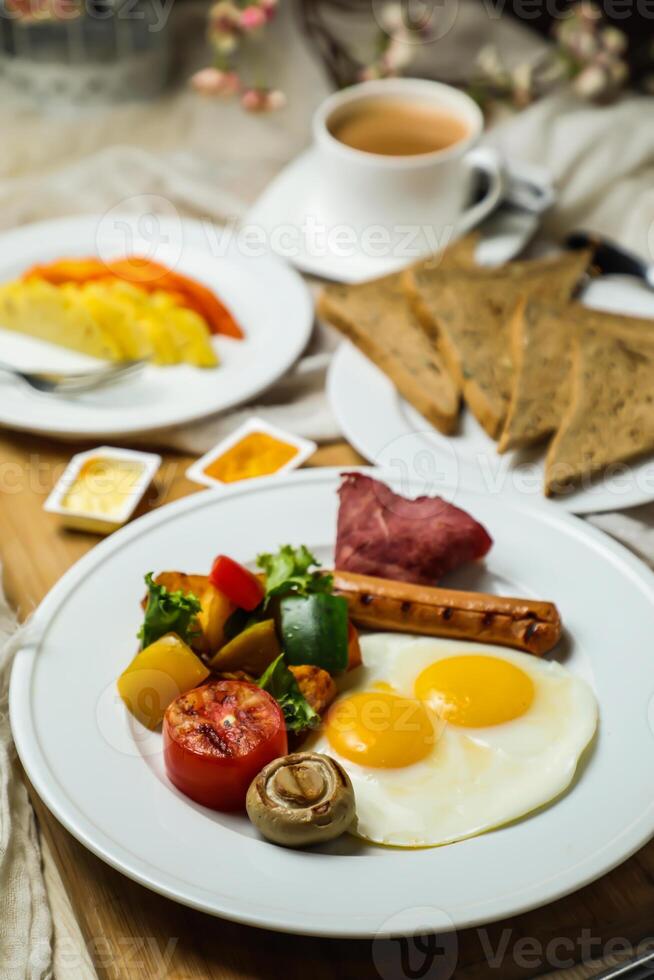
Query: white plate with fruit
{"points": [[74, 297]]}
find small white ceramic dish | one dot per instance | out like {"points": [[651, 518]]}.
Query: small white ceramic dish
{"points": [[85, 763], [268, 298], [92, 518], [304, 448], [386, 430]]}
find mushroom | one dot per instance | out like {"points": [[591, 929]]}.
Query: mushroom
{"points": [[302, 798]]}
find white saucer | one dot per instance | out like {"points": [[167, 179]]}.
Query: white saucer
{"points": [[289, 212]]}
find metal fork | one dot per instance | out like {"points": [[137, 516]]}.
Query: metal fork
{"points": [[640, 968], [51, 382]]}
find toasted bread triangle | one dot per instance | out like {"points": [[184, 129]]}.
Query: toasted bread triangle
{"points": [[542, 338], [469, 314], [377, 318], [541, 342], [609, 419]]}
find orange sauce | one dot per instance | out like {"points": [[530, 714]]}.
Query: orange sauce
{"points": [[256, 454]]}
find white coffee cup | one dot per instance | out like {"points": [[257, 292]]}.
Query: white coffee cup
{"points": [[423, 197]]}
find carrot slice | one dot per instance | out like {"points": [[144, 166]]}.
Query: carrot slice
{"points": [[148, 275], [152, 275], [67, 270]]}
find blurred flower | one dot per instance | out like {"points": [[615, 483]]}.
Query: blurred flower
{"points": [[587, 54], [262, 100], [369, 73], [223, 43], [252, 18], [212, 81], [619, 73], [614, 41], [489, 61], [398, 55], [276, 100], [395, 22], [523, 79], [392, 17], [224, 16], [232, 26], [591, 82], [587, 12], [395, 44], [43, 10], [583, 45]]}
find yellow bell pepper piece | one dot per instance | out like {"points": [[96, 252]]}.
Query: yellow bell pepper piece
{"points": [[252, 650], [158, 675]]}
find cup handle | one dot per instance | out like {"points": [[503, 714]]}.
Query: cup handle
{"points": [[488, 162]]}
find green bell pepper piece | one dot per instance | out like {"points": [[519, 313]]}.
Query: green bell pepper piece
{"points": [[314, 630]]}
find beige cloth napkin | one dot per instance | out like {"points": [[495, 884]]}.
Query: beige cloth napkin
{"points": [[25, 923], [602, 161]]}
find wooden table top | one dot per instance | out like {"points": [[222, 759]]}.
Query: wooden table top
{"points": [[133, 934]]}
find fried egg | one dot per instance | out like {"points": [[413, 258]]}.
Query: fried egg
{"points": [[444, 739]]}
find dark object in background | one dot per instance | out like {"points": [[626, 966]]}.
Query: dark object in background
{"points": [[635, 18], [611, 259]]}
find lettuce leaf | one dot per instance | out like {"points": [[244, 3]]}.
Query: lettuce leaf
{"points": [[288, 571], [168, 612], [278, 680]]}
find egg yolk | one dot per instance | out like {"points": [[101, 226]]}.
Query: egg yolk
{"points": [[475, 691], [380, 730]]}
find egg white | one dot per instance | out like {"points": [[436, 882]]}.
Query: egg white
{"points": [[474, 779]]}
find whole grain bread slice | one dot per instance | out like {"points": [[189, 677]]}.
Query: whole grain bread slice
{"points": [[469, 315], [541, 344], [377, 318], [610, 415]]}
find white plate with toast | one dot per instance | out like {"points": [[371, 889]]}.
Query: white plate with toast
{"points": [[387, 431], [85, 763], [267, 297]]}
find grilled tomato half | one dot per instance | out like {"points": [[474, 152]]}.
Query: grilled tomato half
{"points": [[217, 737]]}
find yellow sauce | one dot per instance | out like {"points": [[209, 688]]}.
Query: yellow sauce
{"points": [[257, 454], [102, 486]]}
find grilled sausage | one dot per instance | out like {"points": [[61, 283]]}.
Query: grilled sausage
{"points": [[381, 604]]}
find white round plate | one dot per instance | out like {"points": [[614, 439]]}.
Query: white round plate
{"points": [[267, 297], [384, 428], [105, 782]]}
